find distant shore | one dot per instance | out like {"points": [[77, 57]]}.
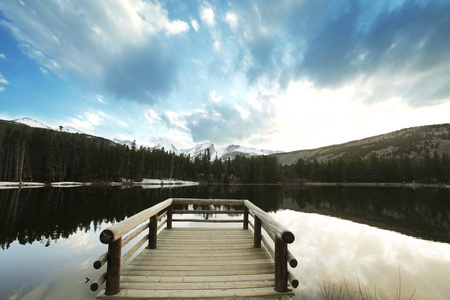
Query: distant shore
{"points": [[413, 185], [145, 183]]}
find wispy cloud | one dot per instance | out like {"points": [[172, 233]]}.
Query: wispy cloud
{"points": [[195, 25], [3, 82], [43, 70], [152, 116]]}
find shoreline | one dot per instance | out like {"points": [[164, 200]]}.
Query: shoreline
{"points": [[412, 185], [166, 183], [145, 183]]}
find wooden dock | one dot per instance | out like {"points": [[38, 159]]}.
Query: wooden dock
{"points": [[198, 262]]}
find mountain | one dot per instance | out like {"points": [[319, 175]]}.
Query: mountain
{"points": [[199, 150], [70, 129], [36, 124], [124, 142], [32, 123], [167, 148], [412, 142]]}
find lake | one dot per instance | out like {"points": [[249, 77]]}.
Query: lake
{"points": [[381, 241]]}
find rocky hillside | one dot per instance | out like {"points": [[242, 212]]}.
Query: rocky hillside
{"points": [[412, 141]]}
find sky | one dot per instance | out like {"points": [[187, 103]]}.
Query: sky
{"points": [[280, 75]]}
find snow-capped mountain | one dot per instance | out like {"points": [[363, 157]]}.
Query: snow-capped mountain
{"points": [[32, 123], [167, 148], [36, 124], [199, 150], [69, 129], [224, 153], [125, 142]]}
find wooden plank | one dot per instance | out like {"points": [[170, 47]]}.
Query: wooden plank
{"points": [[208, 267], [264, 292], [200, 262], [200, 253], [196, 279], [195, 285], [199, 272]]}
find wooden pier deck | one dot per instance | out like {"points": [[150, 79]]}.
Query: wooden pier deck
{"points": [[202, 263]]}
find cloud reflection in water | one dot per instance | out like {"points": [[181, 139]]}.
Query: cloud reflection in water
{"points": [[330, 250]]}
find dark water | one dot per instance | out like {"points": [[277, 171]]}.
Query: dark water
{"points": [[49, 236]]}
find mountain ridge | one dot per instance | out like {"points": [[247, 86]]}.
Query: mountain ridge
{"points": [[410, 141]]}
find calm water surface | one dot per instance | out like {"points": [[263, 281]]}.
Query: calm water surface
{"points": [[375, 238]]}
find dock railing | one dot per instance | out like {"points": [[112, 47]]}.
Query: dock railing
{"points": [[120, 234]]}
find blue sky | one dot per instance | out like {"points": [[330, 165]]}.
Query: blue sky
{"points": [[283, 75]]}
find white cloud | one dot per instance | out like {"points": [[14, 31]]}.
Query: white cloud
{"points": [[176, 120], [217, 45], [100, 99], [215, 97], [122, 123], [231, 19], [2, 56], [195, 25], [3, 79], [88, 120], [43, 70], [176, 27], [152, 116], [207, 15], [94, 119], [244, 113]]}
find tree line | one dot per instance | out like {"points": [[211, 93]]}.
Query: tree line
{"points": [[43, 155], [428, 168]]}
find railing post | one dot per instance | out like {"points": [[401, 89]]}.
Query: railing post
{"points": [[245, 217], [113, 268], [153, 234], [257, 233], [169, 216], [281, 269]]}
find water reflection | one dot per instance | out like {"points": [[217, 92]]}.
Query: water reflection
{"points": [[46, 232], [33, 271], [330, 250]]}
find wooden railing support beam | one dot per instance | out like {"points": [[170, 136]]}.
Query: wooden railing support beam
{"points": [[169, 216], [153, 232], [281, 268], [113, 267], [257, 233], [245, 217]]}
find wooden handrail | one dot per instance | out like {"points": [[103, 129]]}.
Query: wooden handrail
{"points": [[271, 225], [209, 212], [195, 201], [116, 231]]}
